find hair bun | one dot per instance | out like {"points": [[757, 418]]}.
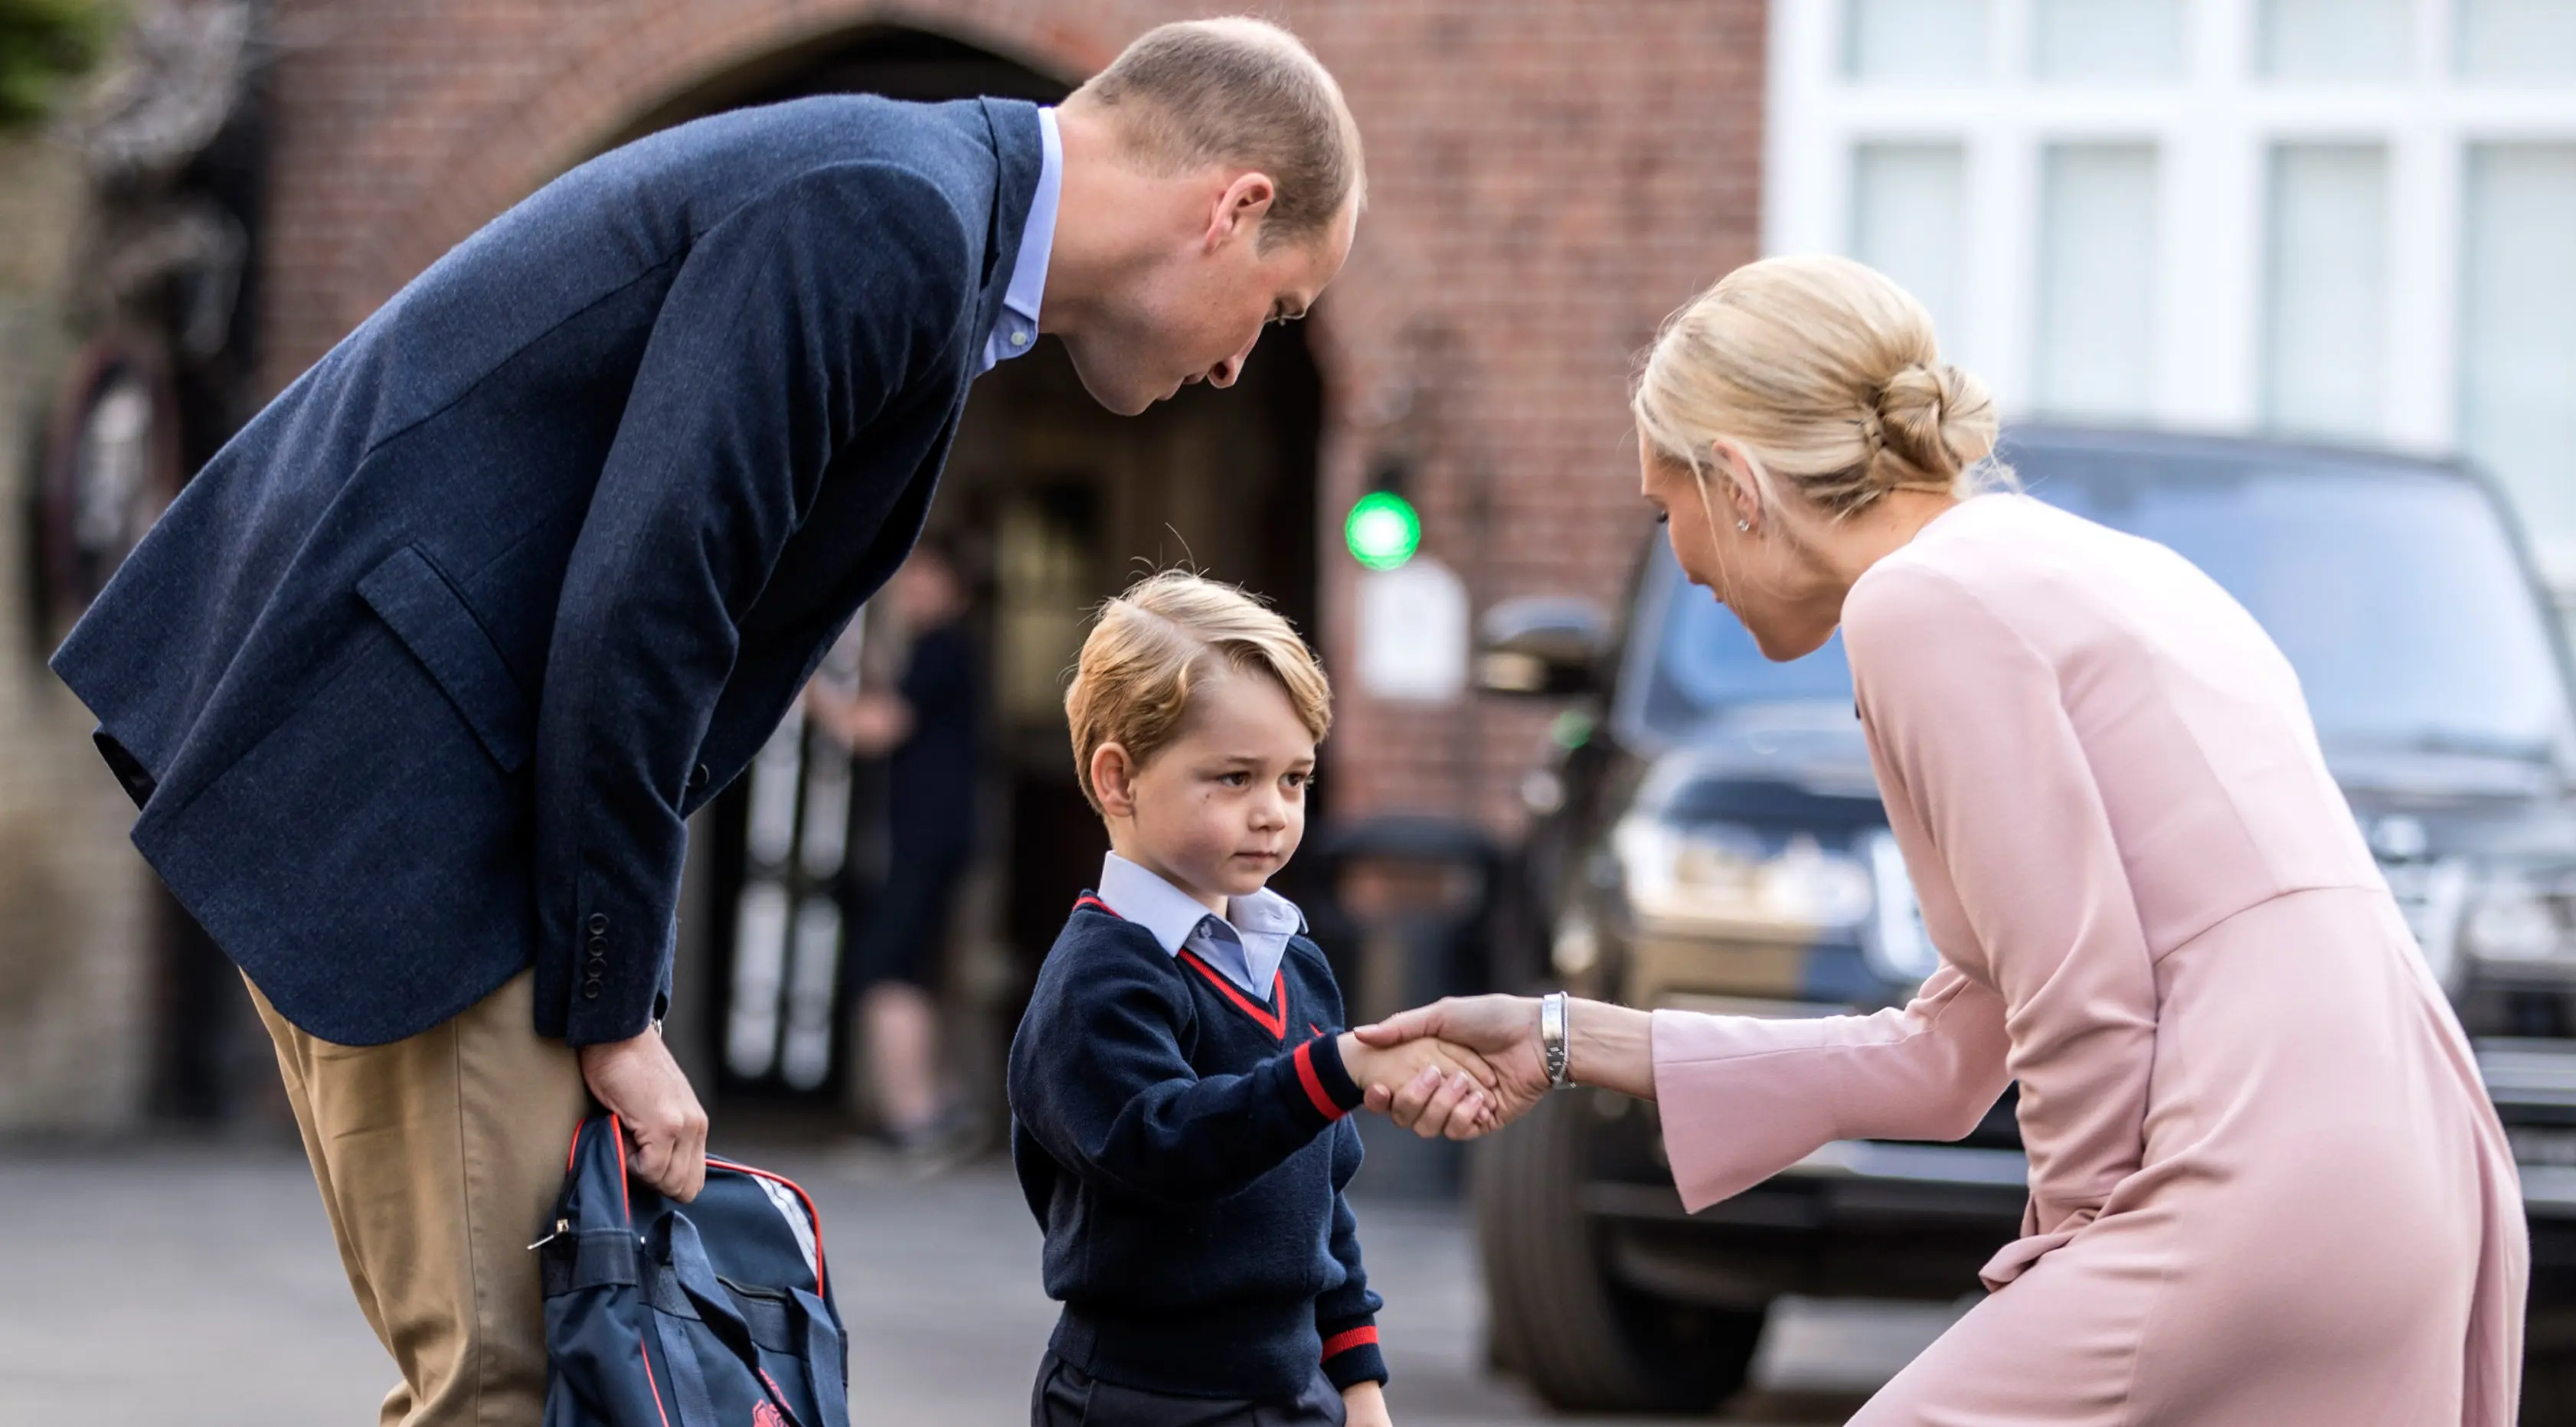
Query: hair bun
{"points": [[1828, 374], [1927, 425]]}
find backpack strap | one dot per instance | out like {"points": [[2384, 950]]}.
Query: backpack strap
{"points": [[824, 1347], [688, 1380], [691, 1273]]}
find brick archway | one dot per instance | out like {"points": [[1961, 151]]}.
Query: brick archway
{"points": [[402, 135], [508, 142]]}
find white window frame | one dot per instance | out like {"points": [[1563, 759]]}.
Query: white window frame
{"points": [[2213, 128]]}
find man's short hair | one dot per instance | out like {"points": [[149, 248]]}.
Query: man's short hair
{"points": [[1155, 644], [1240, 91]]}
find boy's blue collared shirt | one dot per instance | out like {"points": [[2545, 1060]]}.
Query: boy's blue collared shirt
{"points": [[1247, 943], [1015, 329]]}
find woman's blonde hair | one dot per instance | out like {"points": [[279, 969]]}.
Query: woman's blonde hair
{"points": [[1827, 374], [1155, 644]]}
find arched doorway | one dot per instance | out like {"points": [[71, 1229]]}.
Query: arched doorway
{"points": [[1056, 504]]}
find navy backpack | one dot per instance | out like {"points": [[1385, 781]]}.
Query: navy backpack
{"points": [[709, 1314]]}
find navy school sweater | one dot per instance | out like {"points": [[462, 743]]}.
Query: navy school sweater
{"points": [[1183, 1146]]}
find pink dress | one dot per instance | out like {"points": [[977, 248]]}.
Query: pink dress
{"points": [[2265, 1183]]}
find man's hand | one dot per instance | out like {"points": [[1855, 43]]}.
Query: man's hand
{"points": [[1502, 1030], [1364, 1405], [638, 1080], [1424, 1072]]}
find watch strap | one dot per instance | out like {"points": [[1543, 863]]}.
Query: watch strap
{"points": [[1552, 1040]]}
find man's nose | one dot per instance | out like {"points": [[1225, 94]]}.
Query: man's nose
{"points": [[1224, 373]]}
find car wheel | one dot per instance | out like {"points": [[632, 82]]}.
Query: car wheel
{"points": [[1582, 1340]]}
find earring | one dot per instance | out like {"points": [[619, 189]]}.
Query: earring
{"points": [[1744, 525]]}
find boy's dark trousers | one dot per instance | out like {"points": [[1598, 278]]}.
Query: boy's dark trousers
{"points": [[1066, 1396]]}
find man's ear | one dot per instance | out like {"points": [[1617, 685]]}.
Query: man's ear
{"points": [[1240, 209], [1113, 780]]}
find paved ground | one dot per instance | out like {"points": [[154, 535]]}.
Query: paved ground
{"points": [[162, 1284]]}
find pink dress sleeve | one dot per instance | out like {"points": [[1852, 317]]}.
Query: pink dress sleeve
{"points": [[1743, 1098], [2045, 976]]}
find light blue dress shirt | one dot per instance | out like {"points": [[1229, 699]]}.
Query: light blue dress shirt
{"points": [[1015, 331], [1247, 943]]}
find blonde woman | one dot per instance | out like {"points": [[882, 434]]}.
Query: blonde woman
{"points": [[2265, 1183]]}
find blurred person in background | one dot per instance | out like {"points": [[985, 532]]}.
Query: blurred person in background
{"points": [[2266, 1184], [419, 681], [927, 729]]}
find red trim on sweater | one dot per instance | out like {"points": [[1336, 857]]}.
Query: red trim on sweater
{"points": [[1349, 1338], [1314, 1083], [1273, 1017]]}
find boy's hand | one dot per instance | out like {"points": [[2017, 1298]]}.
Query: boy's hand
{"points": [[1438, 1070], [1364, 1405]]}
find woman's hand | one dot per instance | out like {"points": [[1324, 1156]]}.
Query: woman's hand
{"points": [[1503, 1029], [1421, 1073], [1608, 1046]]}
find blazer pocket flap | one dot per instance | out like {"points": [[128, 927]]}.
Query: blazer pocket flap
{"points": [[424, 611]]}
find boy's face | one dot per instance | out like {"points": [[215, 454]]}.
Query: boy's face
{"points": [[1218, 810]]}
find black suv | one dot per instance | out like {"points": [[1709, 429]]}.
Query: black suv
{"points": [[1708, 836]]}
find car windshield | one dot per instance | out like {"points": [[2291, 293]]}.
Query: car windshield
{"points": [[2395, 593]]}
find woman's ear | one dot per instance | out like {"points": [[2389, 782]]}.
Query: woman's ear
{"points": [[1740, 489], [1113, 780]]}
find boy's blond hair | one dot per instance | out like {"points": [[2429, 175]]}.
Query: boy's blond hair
{"points": [[1154, 644]]}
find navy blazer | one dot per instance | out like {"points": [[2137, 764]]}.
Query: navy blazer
{"points": [[417, 681]]}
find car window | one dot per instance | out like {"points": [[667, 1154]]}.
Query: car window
{"points": [[2394, 592]]}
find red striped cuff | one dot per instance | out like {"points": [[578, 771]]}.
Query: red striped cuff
{"points": [[1314, 1086], [1364, 1336]]}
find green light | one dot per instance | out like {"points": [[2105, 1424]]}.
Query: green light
{"points": [[1383, 532]]}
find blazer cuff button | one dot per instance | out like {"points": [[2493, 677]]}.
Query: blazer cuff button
{"points": [[598, 923]]}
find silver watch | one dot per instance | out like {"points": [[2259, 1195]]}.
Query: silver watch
{"points": [[1551, 1040]]}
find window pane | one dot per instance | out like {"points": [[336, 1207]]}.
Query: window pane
{"points": [[2518, 334], [2097, 279], [1909, 221], [2107, 39], [1914, 39], [2326, 288], [2333, 39], [2518, 39]]}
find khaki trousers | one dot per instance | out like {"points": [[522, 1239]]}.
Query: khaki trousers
{"points": [[439, 1158]]}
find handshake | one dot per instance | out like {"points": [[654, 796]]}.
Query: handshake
{"points": [[1460, 1068]]}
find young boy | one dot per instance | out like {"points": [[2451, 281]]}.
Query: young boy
{"points": [[1179, 1083]]}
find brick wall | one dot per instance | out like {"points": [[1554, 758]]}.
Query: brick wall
{"points": [[1548, 178]]}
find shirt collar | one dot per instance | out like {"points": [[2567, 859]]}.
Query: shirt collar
{"points": [[1015, 328], [1171, 915]]}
